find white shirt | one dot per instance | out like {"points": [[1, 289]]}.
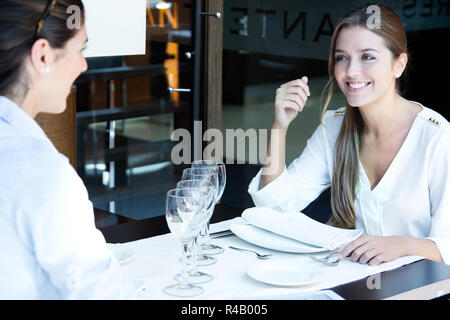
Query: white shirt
{"points": [[412, 199], [49, 246]]}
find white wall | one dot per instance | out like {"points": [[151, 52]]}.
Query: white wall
{"points": [[115, 27]]}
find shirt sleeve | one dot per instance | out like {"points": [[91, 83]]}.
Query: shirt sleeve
{"points": [[59, 227], [302, 182], [439, 190]]}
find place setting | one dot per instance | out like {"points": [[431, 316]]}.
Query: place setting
{"points": [[189, 208], [290, 248]]}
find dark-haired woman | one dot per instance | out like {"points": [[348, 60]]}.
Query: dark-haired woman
{"points": [[386, 159], [48, 241]]}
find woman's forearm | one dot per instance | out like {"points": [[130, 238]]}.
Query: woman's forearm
{"points": [[276, 153], [290, 99], [424, 248]]}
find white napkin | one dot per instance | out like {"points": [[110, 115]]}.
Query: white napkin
{"points": [[298, 226]]}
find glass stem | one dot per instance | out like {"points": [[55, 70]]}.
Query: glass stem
{"points": [[184, 267], [195, 247], [206, 238], [202, 240]]}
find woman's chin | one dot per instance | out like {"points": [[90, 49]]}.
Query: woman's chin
{"points": [[356, 102], [58, 109]]}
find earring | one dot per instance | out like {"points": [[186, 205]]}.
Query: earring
{"points": [[46, 69], [398, 75]]}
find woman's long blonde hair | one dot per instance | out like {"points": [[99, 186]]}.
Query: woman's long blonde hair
{"points": [[346, 158]]}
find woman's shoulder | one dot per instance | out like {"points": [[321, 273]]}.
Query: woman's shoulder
{"points": [[332, 122], [434, 131], [334, 117], [46, 167], [433, 122]]}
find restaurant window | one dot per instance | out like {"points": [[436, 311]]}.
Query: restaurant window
{"points": [[126, 115]]}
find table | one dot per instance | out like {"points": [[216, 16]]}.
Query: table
{"points": [[157, 254]]}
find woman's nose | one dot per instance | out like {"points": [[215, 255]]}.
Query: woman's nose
{"points": [[353, 68], [84, 66]]}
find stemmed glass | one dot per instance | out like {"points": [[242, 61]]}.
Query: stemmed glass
{"points": [[204, 174], [184, 217], [219, 167], [205, 190]]}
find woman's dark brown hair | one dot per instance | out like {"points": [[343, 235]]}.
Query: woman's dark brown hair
{"points": [[346, 159], [18, 32]]}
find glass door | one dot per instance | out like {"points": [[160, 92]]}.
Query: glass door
{"points": [[127, 110]]}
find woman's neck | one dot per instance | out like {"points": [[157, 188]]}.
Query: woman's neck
{"points": [[27, 103], [386, 116]]}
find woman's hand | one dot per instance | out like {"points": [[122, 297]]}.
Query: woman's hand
{"points": [[289, 101], [375, 249]]}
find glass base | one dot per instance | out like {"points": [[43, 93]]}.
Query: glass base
{"points": [[203, 260], [187, 290], [211, 249], [196, 277]]}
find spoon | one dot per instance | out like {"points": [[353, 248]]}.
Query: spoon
{"points": [[258, 255], [332, 259]]}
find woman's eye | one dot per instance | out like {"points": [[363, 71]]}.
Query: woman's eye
{"points": [[367, 57], [340, 58]]}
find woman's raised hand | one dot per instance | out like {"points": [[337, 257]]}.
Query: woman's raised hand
{"points": [[289, 101]]}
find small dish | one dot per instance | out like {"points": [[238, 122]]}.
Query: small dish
{"points": [[122, 253], [285, 273]]}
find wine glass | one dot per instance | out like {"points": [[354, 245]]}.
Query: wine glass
{"points": [[184, 218], [205, 191], [206, 175], [219, 167], [221, 172]]}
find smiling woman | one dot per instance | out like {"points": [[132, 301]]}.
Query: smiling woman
{"points": [[50, 246], [366, 76], [42, 38], [387, 159]]}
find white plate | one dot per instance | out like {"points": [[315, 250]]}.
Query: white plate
{"points": [[270, 240], [284, 273], [122, 253]]}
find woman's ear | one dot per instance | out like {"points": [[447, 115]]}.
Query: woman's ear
{"points": [[42, 56], [400, 64]]}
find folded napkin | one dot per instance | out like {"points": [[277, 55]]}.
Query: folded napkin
{"points": [[298, 226]]}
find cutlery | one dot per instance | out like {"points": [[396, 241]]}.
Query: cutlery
{"points": [[258, 255], [330, 260], [221, 234]]}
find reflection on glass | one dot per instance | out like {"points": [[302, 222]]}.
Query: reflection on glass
{"points": [[125, 116]]}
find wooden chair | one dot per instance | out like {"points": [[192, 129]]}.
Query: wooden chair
{"points": [[61, 128]]}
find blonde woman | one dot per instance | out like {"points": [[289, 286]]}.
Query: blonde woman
{"points": [[386, 159]]}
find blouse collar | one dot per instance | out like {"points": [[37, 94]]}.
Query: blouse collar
{"points": [[14, 115]]}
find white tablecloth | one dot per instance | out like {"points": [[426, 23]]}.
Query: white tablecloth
{"points": [[157, 261]]}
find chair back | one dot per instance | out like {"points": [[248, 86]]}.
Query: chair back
{"points": [[61, 128]]}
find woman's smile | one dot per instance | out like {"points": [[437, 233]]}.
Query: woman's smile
{"points": [[357, 86]]}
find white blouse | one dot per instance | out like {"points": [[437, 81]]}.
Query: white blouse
{"points": [[412, 199], [49, 246]]}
